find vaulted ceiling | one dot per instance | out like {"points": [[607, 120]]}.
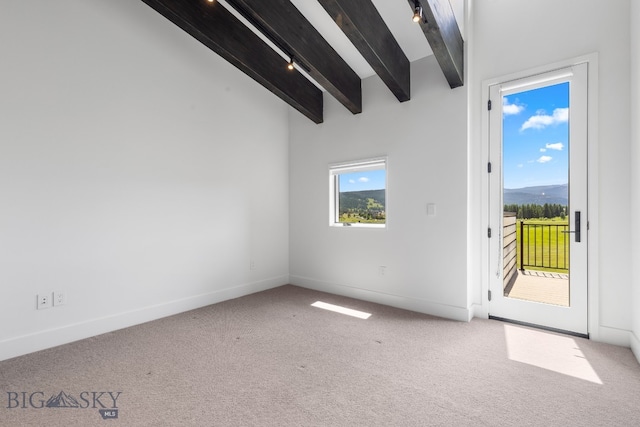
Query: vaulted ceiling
{"points": [[330, 44]]}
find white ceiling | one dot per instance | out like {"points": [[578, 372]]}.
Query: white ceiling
{"points": [[396, 14]]}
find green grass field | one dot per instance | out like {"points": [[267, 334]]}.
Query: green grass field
{"points": [[545, 245], [355, 218]]}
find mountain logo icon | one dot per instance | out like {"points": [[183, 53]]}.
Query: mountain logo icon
{"points": [[62, 400]]}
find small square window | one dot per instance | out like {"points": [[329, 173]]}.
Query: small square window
{"points": [[358, 193]]}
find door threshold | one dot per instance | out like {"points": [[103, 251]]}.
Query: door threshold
{"points": [[546, 328]]}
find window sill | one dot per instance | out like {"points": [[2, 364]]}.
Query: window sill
{"points": [[357, 225]]}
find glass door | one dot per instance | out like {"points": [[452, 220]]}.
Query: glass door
{"points": [[538, 200]]}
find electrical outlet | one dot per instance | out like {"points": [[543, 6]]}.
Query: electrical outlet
{"points": [[43, 301], [59, 298]]}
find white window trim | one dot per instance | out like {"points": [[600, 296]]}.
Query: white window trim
{"points": [[336, 169]]}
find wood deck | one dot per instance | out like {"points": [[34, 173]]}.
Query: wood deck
{"points": [[539, 286]]}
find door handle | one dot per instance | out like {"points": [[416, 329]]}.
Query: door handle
{"points": [[577, 225]]}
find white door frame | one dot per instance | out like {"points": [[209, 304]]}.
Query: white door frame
{"points": [[592, 182]]}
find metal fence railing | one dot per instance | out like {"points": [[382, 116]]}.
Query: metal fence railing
{"points": [[544, 246]]}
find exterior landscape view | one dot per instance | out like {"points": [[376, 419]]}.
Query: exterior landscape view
{"points": [[362, 207]]}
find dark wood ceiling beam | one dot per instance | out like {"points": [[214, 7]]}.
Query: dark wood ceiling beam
{"points": [[362, 24], [441, 29], [220, 31], [283, 23]]}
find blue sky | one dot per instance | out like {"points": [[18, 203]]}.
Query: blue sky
{"points": [[536, 137], [360, 181]]}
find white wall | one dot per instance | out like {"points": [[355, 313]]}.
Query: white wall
{"points": [[425, 141], [139, 172], [512, 36], [635, 161]]}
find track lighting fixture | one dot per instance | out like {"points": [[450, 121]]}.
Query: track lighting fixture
{"points": [[417, 13], [290, 64]]}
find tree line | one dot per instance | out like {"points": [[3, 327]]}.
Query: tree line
{"points": [[548, 210]]}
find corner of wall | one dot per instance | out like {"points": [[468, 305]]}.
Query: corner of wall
{"points": [[635, 177], [635, 345]]}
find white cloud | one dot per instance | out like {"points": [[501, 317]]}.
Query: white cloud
{"points": [[542, 120], [544, 159], [352, 181], [520, 165], [363, 179], [542, 150], [556, 146], [511, 109]]}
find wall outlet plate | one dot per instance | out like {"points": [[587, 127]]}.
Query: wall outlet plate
{"points": [[59, 298], [43, 301]]}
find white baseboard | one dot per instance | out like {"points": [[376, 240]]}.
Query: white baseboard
{"points": [[18, 346], [609, 335], [479, 311], [635, 345], [413, 304]]}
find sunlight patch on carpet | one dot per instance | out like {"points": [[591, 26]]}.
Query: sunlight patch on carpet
{"points": [[549, 351], [342, 310]]}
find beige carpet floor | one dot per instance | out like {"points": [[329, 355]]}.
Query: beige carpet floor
{"points": [[273, 359]]}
